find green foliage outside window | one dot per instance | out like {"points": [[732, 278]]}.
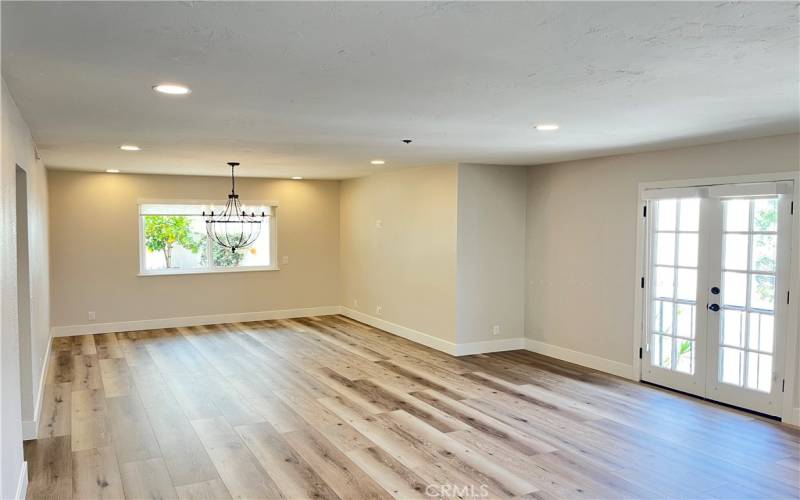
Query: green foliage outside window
{"points": [[163, 232]]}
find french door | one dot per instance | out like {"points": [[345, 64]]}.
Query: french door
{"points": [[717, 265]]}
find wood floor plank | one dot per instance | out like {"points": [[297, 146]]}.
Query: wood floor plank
{"points": [[327, 407], [240, 471], [95, 474]]}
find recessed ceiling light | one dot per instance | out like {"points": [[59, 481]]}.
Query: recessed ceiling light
{"points": [[112, 171], [172, 89], [547, 126], [130, 147], [377, 162], [297, 178]]}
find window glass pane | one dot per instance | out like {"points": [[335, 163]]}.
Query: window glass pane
{"points": [[662, 316], [761, 331], [737, 215], [690, 214], [762, 292], [173, 242], [732, 368], [665, 277], [736, 251], [734, 289], [687, 284], [684, 320], [255, 255], [665, 249], [759, 371], [733, 328], [764, 251], [687, 250], [685, 356], [765, 214], [655, 349], [666, 215], [666, 352]]}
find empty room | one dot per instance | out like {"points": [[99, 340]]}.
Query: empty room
{"points": [[412, 250]]}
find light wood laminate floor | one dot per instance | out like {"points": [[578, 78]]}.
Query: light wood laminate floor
{"points": [[328, 407]]}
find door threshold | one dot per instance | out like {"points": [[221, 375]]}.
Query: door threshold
{"points": [[739, 408]]}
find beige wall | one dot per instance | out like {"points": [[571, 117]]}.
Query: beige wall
{"points": [[408, 266], [491, 252], [18, 149], [581, 233], [95, 260]]}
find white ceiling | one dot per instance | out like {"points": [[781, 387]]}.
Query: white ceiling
{"points": [[320, 89]]}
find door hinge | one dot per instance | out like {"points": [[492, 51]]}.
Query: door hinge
{"points": [[640, 353], [791, 208], [787, 295], [644, 211], [642, 281], [783, 386]]}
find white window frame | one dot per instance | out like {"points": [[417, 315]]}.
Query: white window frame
{"points": [[273, 240]]}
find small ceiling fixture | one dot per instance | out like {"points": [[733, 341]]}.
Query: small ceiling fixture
{"points": [[546, 127], [130, 147], [112, 171], [407, 141], [172, 89], [297, 178], [377, 162], [234, 228]]}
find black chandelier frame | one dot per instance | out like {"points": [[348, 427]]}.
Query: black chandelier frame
{"points": [[234, 228]]}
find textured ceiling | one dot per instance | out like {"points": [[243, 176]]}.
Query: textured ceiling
{"points": [[320, 89]]}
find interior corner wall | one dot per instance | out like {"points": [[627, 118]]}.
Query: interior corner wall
{"points": [[18, 150], [491, 253], [398, 250], [581, 236]]}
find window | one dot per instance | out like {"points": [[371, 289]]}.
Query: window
{"points": [[173, 240]]}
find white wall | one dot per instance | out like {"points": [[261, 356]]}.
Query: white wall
{"points": [[95, 258], [408, 265], [491, 253], [18, 149], [581, 236]]}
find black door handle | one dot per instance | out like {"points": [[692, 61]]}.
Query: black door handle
{"points": [[714, 307], [715, 290]]}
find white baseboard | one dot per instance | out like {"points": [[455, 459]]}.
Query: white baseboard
{"points": [[22, 482], [435, 342], [30, 428], [211, 319], [581, 358]]}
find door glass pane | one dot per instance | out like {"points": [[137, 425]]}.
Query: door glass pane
{"points": [[765, 214], [662, 316], [690, 215], [687, 284], [666, 215], [687, 249], [733, 328], [665, 282], [762, 292], [759, 371], [735, 252], [737, 215], [666, 352], [732, 366], [761, 332], [684, 320], [734, 289], [764, 252], [665, 249], [685, 355]]}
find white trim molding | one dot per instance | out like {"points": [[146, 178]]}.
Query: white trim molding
{"points": [[211, 319], [30, 428], [581, 358], [22, 482]]}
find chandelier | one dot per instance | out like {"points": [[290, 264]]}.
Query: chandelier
{"points": [[233, 228]]}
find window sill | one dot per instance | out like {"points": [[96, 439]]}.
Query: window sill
{"points": [[177, 272]]}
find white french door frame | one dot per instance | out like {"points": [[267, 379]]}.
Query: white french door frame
{"points": [[789, 413]]}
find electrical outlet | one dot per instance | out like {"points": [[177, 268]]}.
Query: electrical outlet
{"points": [[92, 316], [379, 224], [496, 330], [379, 310], [285, 259]]}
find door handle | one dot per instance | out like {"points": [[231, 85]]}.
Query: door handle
{"points": [[715, 290], [714, 307]]}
